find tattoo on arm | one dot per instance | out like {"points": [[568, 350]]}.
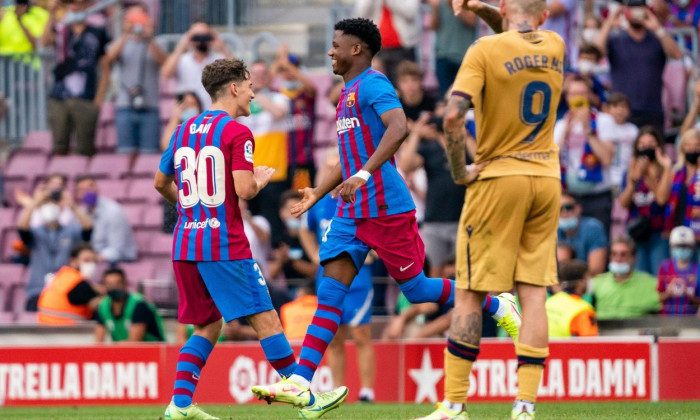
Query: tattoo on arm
{"points": [[492, 16], [466, 329], [455, 138]]}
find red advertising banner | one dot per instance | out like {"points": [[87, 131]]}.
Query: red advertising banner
{"points": [[590, 370], [679, 369]]}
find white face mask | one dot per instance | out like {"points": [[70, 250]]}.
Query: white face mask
{"points": [[88, 270], [586, 67], [50, 212], [589, 35]]}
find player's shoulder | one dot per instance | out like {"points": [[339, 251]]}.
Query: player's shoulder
{"points": [[553, 37], [235, 129], [373, 75]]}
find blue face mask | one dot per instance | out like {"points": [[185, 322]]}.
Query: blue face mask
{"points": [[291, 85], [568, 223], [619, 268], [188, 113], [682, 253]]}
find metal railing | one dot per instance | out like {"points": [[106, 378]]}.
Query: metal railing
{"points": [[23, 84]]}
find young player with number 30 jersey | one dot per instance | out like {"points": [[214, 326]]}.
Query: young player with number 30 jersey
{"points": [[206, 168]]}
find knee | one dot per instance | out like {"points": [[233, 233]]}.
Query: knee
{"points": [[210, 331]]}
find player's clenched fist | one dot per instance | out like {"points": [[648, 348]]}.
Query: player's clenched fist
{"points": [[459, 5], [262, 175]]}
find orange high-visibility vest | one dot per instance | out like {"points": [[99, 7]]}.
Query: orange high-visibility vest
{"points": [[54, 307], [297, 315]]}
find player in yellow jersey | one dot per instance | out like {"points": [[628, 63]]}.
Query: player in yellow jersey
{"points": [[508, 228]]}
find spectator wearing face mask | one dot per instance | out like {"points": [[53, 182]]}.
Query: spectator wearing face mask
{"points": [[302, 116], [124, 315], [684, 202], [678, 276], [68, 296], [112, 237], [55, 184], [139, 58], [588, 67], [51, 243], [188, 106], [646, 188], [623, 292], [585, 235], [199, 46]]}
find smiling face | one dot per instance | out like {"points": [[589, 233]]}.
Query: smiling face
{"points": [[343, 51], [244, 94]]}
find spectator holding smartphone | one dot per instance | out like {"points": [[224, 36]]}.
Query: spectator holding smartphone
{"points": [[139, 58], [199, 46]]}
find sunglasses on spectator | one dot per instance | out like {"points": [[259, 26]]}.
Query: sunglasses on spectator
{"points": [[568, 207]]}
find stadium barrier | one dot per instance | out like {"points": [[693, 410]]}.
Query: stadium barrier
{"points": [[600, 369]]}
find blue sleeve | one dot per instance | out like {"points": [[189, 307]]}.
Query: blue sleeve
{"points": [[624, 181], [312, 219], [383, 97], [471, 128], [596, 236], [167, 161]]}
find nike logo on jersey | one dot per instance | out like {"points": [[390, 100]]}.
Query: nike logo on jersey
{"points": [[402, 269]]}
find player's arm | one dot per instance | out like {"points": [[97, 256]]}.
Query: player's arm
{"points": [[165, 186], [100, 333], [489, 14], [436, 327], [249, 183], [137, 332], [456, 133]]}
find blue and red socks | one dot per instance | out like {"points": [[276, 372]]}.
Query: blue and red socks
{"points": [[490, 305], [279, 353], [422, 289], [193, 356], [331, 294]]}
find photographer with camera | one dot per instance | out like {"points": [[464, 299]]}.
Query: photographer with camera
{"points": [[198, 47], [139, 58], [637, 58], [50, 243]]}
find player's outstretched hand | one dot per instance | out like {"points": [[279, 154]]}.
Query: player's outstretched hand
{"points": [[473, 172], [308, 199], [348, 188], [262, 175]]}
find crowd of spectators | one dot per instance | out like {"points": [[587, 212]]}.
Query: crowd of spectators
{"points": [[628, 188]]}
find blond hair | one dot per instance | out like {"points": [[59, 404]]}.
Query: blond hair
{"points": [[687, 136], [527, 7]]}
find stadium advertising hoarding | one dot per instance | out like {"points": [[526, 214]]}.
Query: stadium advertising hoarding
{"points": [[584, 370]]}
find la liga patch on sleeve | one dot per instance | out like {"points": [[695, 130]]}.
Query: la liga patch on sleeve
{"points": [[248, 151]]}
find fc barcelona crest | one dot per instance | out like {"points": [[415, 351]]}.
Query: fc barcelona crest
{"points": [[350, 102]]}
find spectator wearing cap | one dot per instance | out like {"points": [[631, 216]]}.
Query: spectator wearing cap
{"points": [[112, 237], [637, 58], [623, 292], [678, 275], [646, 189], [199, 46], [585, 235], [139, 58], [568, 314], [302, 117]]}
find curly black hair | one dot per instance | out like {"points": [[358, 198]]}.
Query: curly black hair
{"points": [[364, 29]]}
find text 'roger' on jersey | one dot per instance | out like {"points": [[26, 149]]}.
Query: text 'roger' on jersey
{"points": [[202, 154]]}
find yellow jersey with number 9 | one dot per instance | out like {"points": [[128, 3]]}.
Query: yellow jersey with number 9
{"points": [[514, 80]]}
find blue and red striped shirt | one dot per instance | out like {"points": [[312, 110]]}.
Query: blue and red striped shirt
{"points": [[202, 154], [360, 129], [681, 303]]}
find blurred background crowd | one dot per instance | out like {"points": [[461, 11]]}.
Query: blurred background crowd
{"points": [[92, 90]]}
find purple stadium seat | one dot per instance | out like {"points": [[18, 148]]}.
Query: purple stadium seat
{"points": [[26, 318], [166, 106], [71, 166], [161, 246], [7, 219], [106, 138], [113, 188], [8, 239], [134, 213], [11, 275], [143, 239], [18, 299], [6, 318], [161, 292], [25, 167], [153, 217], [142, 191], [168, 87], [112, 166], [106, 113], [37, 141], [138, 271], [10, 186], [145, 166]]}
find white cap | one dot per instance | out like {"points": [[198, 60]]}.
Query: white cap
{"points": [[682, 235]]}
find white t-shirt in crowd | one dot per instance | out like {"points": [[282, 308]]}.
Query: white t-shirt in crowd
{"points": [[623, 136], [189, 75]]}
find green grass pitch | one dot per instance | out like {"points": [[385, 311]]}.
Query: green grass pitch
{"points": [[545, 411]]}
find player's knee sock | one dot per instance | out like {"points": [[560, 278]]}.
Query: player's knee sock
{"points": [[331, 294], [530, 366], [427, 289], [279, 353], [490, 305], [193, 356], [459, 358]]}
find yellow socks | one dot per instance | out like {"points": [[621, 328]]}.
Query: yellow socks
{"points": [[459, 358], [530, 366]]}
